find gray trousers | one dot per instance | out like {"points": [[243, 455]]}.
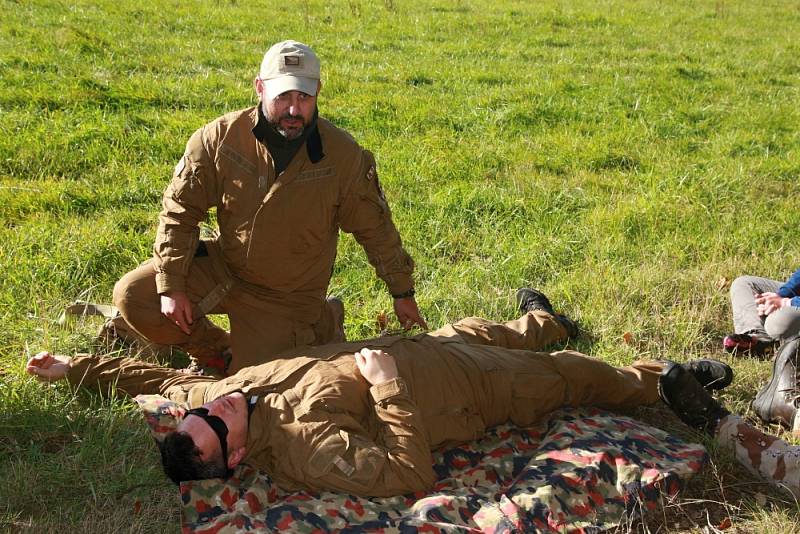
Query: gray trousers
{"points": [[778, 325]]}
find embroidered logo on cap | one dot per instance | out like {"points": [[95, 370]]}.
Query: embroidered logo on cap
{"points": [[291, 61]]}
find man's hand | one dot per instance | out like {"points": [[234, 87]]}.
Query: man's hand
{"points": [[767, 303], [47, 367], [177, 307], [376, 366], [408, 313]]}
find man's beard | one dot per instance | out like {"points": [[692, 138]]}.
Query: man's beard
{"points": [[290, 133]]}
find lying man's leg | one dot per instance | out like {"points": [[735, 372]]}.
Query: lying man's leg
{"points": [[538, 327]]}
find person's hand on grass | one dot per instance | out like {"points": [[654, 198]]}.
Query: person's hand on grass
{"points": [[408, 314], [47, 367]]}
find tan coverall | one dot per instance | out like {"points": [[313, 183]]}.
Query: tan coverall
{"points": [[270, 267], [318, 424]]}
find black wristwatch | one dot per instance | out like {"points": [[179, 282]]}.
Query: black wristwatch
{"points": [[405, 294]]}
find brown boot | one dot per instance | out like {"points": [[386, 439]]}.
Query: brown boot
{"points": [[777, 401], [213, 355]]}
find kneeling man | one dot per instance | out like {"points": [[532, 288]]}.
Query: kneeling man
{"points": [[362, 418]]}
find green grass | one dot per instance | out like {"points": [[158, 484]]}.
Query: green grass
{"points": [[625, 156]]}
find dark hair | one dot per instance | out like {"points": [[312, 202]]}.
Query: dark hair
{"points": [[181, 459]]}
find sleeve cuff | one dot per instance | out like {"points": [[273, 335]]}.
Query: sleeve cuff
{"points": [[400, 283], [166, 283], [78, 366], [387, 390]]}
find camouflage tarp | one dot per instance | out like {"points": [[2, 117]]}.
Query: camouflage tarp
{"points": [[584, 470]]}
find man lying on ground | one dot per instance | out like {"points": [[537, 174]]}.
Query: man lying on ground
{"points": [[772, 458], [362, 418]]}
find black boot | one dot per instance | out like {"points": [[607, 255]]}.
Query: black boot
{"points": [[529, 300], [777, 401], [681, 391], [711, 374]]}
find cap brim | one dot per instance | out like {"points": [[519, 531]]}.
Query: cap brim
{"points": [[277, 86]]}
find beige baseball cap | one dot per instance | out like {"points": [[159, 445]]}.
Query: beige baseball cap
{"points": [[289, 66]]}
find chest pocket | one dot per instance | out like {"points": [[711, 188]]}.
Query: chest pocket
{"points": [[346, 461], [310, 211]]}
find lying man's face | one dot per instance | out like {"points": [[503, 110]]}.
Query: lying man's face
{"points": [[207, 428]]}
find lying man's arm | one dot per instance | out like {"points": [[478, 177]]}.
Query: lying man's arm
{"points": [[399, 463], [126, 375]]}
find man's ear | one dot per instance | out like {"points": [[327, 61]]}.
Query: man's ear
{"points": [[236, 456], [258, 85]]}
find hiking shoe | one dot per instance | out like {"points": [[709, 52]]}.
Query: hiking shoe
{"points": [[747, 343], [690, 401], [777, 401], [712, 374], [529, 300]]}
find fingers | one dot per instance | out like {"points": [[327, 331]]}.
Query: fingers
{"points": [[409, 323], [43, 360], [182, 315], [178, 308], [360, 360], [181, 322], [187, 313]]}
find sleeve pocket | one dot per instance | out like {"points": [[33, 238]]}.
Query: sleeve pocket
{"points": [[346, 461]]}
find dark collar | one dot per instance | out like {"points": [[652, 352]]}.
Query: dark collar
{"points": [[270, 137]]}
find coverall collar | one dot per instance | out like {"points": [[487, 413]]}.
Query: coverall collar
{"points": [[275, 142]]}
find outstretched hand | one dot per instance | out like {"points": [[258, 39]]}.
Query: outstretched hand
{"points": [[408, 314], [47, 367], [376, 366]]}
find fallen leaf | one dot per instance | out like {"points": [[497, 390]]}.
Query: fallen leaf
{"points": [[725, 524], [627, 338], [137, 506], [381, 321], [722, 283]]}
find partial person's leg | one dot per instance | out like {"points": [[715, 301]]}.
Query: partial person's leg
{"points": [[783, 324], [569, 378], [773, 459], [533, 331], [330, 326], [745, 313], [594, 382], [140, 305], [258, 336]]}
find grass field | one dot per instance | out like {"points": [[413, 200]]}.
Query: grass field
{"points": [[630, 158]]}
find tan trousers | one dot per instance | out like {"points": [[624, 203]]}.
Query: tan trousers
{"points": [[255, 337], [535, 382]]}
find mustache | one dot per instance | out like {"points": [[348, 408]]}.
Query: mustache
{"points": [[291, 117]]}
